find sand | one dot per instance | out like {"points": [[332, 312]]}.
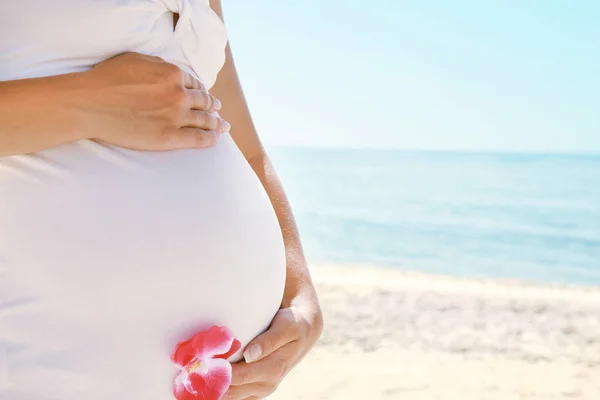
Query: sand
{"points": [[399, 335]]}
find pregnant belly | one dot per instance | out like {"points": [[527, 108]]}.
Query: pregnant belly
{"points": [[109, 257]]}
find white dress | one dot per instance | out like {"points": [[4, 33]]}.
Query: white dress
{"points": [[109, 257]]}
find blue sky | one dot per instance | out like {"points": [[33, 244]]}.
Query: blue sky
{"points": [[470, 75]]}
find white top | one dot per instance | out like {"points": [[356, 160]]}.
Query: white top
{"points": [[108, 256]]}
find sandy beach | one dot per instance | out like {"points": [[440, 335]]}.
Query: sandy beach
{"points": [[402, 335]]}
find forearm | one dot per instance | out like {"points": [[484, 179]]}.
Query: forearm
{"points": [[298, 282], [37, 114], [235, 110]]}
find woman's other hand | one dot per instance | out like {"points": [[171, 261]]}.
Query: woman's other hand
{"points": [[142, 102], [270, 356]]}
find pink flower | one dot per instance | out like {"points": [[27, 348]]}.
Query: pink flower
{"points": [[205, 372]]}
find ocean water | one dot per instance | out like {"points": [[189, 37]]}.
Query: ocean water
{"points": [[523, 216]]}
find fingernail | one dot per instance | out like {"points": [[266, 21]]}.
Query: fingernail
{"points": [[224, 126], [216, 104], [253, 353]]}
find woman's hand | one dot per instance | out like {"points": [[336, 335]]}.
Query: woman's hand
{"points": [[144, 103], [131, 100], [269, 357]]}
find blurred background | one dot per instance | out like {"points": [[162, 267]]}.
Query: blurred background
{"points": [[443, 162]]}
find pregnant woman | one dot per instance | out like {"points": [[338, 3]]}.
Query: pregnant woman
{"points": [[130, 218]]}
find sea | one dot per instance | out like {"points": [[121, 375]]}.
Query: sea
{"points": [[533, 217]]}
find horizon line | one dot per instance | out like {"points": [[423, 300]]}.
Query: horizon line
{"points": [[441, 150]]}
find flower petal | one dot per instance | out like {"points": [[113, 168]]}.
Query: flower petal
{"points": [[235, 346], [209, 386], [218, 340], [213, 384], [180, 391], [183, 353]]}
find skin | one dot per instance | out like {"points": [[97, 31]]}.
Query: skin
{"points": [[143, 103]]}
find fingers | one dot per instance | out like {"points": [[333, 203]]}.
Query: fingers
{"points": [[274, 353], [206, 121], [191, 82], [282, 331], [248, 392], [202, 100], [271, 369], [185, 138]]}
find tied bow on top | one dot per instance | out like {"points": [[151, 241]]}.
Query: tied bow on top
{"points": [[202, 37]]}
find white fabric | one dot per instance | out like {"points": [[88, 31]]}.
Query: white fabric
{"points": [[109, 257]]}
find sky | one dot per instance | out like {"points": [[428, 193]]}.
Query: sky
{"points": [[438, 75]]}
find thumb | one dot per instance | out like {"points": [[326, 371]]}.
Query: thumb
{"points": [[282, 331]]}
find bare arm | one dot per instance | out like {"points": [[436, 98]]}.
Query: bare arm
{"points": [[36, 114], [235, 110], [298, 324]]}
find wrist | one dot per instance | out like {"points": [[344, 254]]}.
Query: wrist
{"points": [[299, 287], [77, 94], [306, 303]]}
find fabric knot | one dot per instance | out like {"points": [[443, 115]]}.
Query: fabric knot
{"points": [[181, 7], [202, 37]]}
